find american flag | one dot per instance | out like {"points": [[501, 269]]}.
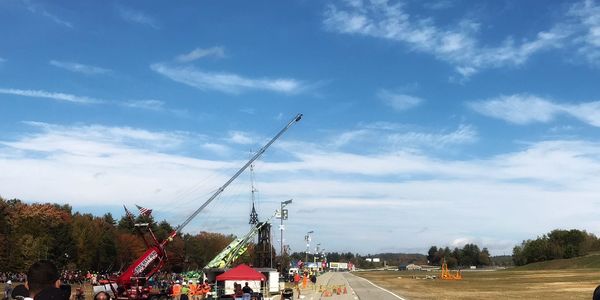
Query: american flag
{"points": [[128, 213], [144, 211]]}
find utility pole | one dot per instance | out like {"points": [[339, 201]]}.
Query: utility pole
{"points": [[283, 215], [307, 239]]}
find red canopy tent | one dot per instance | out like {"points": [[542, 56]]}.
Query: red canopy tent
{"points": [[240, 273]]}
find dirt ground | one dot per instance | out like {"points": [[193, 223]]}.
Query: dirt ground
{"points": [[501, 284]]}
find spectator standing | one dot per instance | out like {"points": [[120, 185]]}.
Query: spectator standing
{"points": [[238, 294], [43, 282], [8, 289], [185, 290], [247, 292], [206, 289], [176, 295], [193, 290]]}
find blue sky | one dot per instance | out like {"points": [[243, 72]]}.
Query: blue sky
{"points": [[426, 122]]}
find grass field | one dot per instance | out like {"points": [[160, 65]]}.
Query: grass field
{"points": [[501, 284]]}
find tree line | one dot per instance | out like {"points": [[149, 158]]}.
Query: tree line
{"points": [[556, 244], [29, 232], [469, 255]]}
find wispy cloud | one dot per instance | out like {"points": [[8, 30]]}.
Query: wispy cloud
{"points": [[398, 101], [438, 4], [541, 175], [198, 53], [465, 134], [457, 46], [79, 68], [525, 109], [2, 60], [50, 95], [587, 16], [218, 149], [137, 16], [98, 134], [397, 137], [145, 104], [226, 82], [38, 9], [240, 137]]}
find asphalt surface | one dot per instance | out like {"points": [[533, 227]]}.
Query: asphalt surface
{"points": [[343, 286]]}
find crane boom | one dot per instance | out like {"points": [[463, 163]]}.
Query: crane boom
{"points": [[222, 188], [155, 256]]}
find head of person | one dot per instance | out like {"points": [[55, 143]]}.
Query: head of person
{"points": [[102, 295], [41, 275], [246, 284], [20, 292]]}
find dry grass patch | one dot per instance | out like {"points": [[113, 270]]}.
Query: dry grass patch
{"points": [[503, 284]]}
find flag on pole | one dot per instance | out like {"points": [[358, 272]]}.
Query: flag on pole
{"points": [[128, 213], [144, 211]]}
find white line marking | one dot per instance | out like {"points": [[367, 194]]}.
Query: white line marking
{"points": [[391, 293]]}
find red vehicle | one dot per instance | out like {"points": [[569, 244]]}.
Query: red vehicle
{"points": [[132, 283]]}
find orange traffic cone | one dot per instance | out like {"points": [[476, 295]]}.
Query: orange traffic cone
{"points": [[339, 290], [345, 291]]}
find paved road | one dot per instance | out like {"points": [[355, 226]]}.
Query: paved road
{"points": [[356, 288], [365, 289]]}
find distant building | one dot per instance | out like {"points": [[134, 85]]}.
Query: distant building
{"points": [[402, 268], [413, 267], [376, 259], [340, 266]]}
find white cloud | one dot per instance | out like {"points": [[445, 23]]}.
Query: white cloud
{"points": [[136, 16], [38, 9], [587, 112], [198, 53], [218, 149], [465, 134], [587, 15], [2, 60], [64, 162], [149, 104], [226, 82], [438, 5], [457, 46], [50, 95], [525, 109], [79, 68], [350, 136], [240, 137], [98, 134], [389, 136], [398, 101]]}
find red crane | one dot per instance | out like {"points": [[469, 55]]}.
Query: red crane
{"points": [[155, 256]]}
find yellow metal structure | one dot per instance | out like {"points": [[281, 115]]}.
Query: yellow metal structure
{"points": [[446, 275]]}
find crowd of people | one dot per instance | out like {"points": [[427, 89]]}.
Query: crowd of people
{"points": [[43, 281], [190, 290], [242, 293], [13, 277]]}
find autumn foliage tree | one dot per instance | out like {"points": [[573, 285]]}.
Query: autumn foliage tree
{"points": [[29, 232]]}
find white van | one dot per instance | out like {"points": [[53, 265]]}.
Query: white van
{"points": [[292, 271]]}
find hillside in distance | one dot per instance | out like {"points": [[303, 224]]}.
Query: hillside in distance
{"points": [[590, 261]]}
